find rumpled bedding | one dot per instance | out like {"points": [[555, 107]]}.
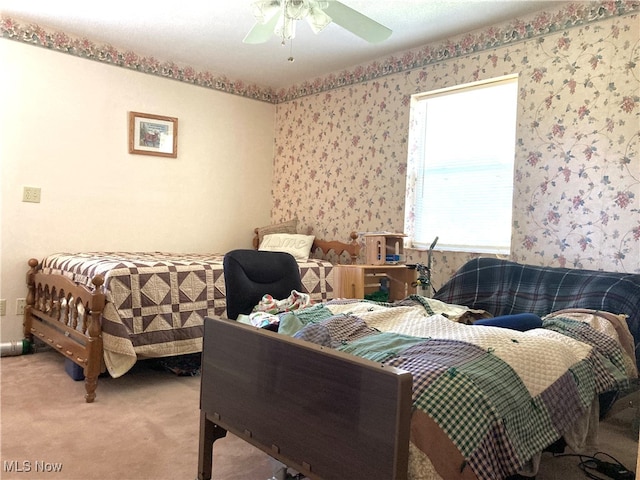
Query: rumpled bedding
{"points": [[500, 396], [266, 312]]}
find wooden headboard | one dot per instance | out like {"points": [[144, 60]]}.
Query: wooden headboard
{"points": [[324, 248]]}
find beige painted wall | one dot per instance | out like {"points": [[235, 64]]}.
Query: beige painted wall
{"points": [[63, 124]]}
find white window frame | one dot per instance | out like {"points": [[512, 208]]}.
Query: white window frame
{"points": [[437, 208]]}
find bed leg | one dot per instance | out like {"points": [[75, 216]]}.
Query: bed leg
{"points": [[94, 347], [30, 300], [209, 433], [92, 369], [90, 385]]}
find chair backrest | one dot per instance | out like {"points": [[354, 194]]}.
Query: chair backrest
{"points": [[251, 274]]}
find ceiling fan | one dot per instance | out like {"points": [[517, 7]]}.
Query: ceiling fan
{"points": [[279, 17]]}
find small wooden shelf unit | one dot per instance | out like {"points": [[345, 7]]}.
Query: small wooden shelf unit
{"points": [[354, 281]]}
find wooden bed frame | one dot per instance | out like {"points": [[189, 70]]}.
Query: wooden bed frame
{"points": [[74, 328], [324, 413], [66, 316]]}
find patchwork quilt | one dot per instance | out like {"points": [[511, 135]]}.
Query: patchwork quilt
{"points": [[500, 396], [157, 301]]}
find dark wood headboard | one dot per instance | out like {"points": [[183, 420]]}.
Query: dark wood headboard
{"points": [[327, 414]]}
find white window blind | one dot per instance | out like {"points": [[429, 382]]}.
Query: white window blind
{"points": [[462, 152]]}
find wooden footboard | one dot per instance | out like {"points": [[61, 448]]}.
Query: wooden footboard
{"points": [[66, 316], [324, 413]]}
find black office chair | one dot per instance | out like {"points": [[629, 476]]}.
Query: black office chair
{"points": [[251, 274]]}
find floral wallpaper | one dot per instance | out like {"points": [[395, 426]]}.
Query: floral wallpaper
{"points": [[341, 155], [342, 140]]}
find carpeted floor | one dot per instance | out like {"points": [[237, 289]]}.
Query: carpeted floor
{"points": [[144, 425]]}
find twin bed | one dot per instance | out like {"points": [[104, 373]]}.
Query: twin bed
{"points": [[107, 309]]}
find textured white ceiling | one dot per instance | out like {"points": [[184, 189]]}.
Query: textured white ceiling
{"points": [[207, 35]]}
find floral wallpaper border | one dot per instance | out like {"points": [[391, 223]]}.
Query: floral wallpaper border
{"points": [[571, 15]]}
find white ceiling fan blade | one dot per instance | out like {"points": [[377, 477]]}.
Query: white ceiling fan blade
{"points": [[261, 32], [318, 19], [264, 10], [357, 23]]}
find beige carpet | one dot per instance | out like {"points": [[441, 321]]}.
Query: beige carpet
{"points": [[145, 426]]}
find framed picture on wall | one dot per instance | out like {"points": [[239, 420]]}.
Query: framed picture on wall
{"points": [[153, 135]]}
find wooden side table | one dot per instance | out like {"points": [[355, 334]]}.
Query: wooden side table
{"points": [[354, 281]]}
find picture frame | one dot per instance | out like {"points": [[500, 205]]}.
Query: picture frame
{"points": [[153, 135]]}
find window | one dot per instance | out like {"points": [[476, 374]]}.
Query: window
{"points": [[460, 166]]}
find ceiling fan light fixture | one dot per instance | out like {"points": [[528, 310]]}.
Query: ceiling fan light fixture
{"points": [[279, 17], [297, 9], [285, 28]]}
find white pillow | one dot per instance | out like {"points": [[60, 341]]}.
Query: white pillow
{"points": [[297, 245], [283, 227]]}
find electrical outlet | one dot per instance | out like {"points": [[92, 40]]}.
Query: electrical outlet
{"points": [[21, 303], [31, 194], [3, 307]]}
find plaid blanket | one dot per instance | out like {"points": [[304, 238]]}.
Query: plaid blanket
{"points": [[502, 287], [501, 396]]}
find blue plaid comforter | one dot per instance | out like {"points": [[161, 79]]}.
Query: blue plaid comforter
{"points": [[502, 287]]}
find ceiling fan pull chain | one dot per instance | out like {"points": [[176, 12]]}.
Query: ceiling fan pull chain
{"points": [[291, 59]]}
